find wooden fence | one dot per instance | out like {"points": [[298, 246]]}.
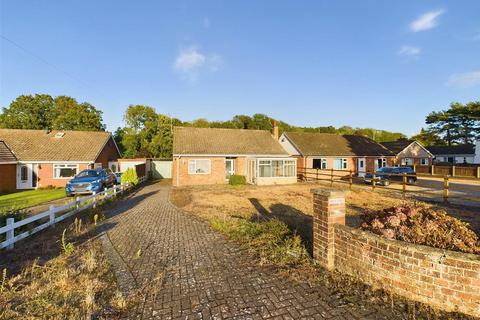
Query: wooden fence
{"points": [[403, 180], [51, 215], [453, 171]]}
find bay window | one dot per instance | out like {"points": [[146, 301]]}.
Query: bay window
{"points": [[276, 168], [199, 166]]}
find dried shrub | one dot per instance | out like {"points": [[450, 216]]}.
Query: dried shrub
{"points": [[422, 225]]}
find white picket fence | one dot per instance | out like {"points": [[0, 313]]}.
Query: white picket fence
{"points": [[68, 210]]}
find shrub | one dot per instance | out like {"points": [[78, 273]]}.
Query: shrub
{"points": [[272, 239], [16, 213], [236, 180], [422, 225], [130, 176]]}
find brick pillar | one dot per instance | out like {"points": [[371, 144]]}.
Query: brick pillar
{"points": [[328, 209]]}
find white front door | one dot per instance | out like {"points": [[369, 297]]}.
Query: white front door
{"points": [[24, 176], [361, 167], [229, 168]]}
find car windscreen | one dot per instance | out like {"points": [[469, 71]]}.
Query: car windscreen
{"points": [[385, 170], [88, 174]]}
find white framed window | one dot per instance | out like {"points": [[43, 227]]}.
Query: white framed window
{"points": [[64, 171], [319, 163], [424, 161], [340, 164], [199, 166], [277, 168], [380, 163], [407, 162]]}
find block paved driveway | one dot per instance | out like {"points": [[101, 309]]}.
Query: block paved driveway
{"points": [[205, 276]]}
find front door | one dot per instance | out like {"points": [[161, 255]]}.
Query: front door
{"points": [[251, 171], [361, 167], [24, 176], [229, 168]]}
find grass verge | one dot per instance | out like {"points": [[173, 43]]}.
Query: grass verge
{"points": [[25, 199]]}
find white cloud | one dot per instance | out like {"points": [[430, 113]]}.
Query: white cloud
{"points": [[426, 21], [190, 62], [409, 51], [465, 80]]}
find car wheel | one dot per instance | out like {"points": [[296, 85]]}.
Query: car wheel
{"points": [[386, 183], [411, 181]]}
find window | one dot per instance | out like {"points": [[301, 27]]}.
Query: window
{"points": [[24, 173], [319, 163], [340, 164], [407, 162], [199, 166], [276, 168], [424, 161], [381, 163], [64, 171]]}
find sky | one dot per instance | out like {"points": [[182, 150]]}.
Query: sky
{"points": [[380, 64]]}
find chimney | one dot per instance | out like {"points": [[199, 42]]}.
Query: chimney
{"points": [[275, 129]]}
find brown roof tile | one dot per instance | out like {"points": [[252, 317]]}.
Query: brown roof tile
{"points": [[331, 144], [190, 140], [6, 155], [38, 145], [455, 149], [397, 146]]}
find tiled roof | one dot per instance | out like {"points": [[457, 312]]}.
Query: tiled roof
{"points": [[397, 146], [38, 145], [331, 144], [6, 155], [456, 149], [190, 140]]}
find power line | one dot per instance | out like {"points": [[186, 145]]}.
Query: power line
{"points": [[44, 61]]}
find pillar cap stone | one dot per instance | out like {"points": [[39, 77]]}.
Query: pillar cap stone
{"points": [[328, 192]]}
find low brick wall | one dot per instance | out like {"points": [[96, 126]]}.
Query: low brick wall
{"points": [[444, 279]]}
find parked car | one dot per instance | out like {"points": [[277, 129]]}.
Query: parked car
{"points": [[119, 177], [386, 175], [89, 181]]}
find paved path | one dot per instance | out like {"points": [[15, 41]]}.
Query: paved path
{"points": [[203, 275]]}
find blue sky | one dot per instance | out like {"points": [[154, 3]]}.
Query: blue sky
{"points": [[315, 63]]}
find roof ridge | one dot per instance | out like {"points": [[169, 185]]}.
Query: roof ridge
{"points": [[241, 129]]}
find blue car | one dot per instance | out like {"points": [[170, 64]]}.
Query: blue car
{"points": [[89, 181], [386, 175]]}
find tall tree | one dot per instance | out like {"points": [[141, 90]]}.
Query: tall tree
{"points": [[41, 111], [28, 112]]}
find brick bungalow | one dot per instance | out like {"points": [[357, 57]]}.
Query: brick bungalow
{"points": [[51, 158], [211, 155], [347, 153], [8, 165], [409, 152]]}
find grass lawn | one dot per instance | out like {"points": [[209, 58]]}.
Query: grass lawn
{"points": [[25, 199]]}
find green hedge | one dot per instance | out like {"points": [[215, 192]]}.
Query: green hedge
{"points": [[130, 176], [236, 180]]}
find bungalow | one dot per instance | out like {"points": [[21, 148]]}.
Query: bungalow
{"points": [[8, 164], [212, 155], [456, 154], [51, 158], [354, 153], [409, 152]]}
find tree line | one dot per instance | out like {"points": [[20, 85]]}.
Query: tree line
{"points": [[147, 133]]}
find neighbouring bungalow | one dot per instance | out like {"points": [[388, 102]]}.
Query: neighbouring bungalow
{"points": [[354, 153], [212, 155], [409, 152], [50, 158], [456, 154], [8, 165]]}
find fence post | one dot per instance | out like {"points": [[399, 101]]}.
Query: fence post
{"points": [[433, 169], [114, 191], [317, 175], [10, 233], [331, 178], [445, 189], [77, 203], [415, 168], [51, 215], [404, 188], [94, 199], [478, 172], [374, 178], [350, 180], [305, 173], [453, 171]]}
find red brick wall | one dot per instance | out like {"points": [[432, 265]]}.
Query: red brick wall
{"points": [[8, 178], [45, 175], [445, 279], [109, 153]]}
